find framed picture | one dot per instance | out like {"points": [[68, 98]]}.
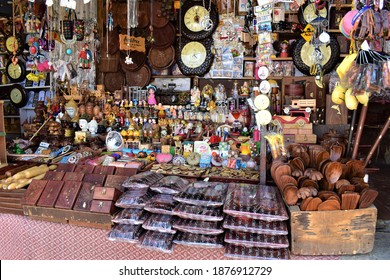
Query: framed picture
{"points": [[242, 7], [226, 6], [248, 68]]}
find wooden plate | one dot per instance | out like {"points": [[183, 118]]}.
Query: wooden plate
{"points": [[290, 194], [139, 60], [143, 14], [139, 78], [329, 205], [313, 204], [161, 59], [333, 172], [157, 20], [114, 81], [305, 202], [164, 36], [113, 40]]}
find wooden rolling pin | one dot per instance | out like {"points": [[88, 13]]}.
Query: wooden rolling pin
{"points": [[17, 169]]}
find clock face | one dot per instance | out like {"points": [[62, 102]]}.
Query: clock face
{"points": [[310, 13], [193, 54], [16, 95], [14, 71], [262, 102], [199, 19], [12, 44], [193, 18], [194, 57]]}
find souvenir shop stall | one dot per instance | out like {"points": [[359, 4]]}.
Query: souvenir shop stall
{"points": [[196, 129]]}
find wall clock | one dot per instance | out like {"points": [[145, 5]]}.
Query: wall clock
{"points": [[304, 52], [16, 70], [194, 57], [13, 45], [18, 96], [309, 12], [199, 19]]}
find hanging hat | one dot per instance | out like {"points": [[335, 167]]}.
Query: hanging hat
{"points": [[346, 24]]}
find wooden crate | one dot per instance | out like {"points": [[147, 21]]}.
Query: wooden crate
{"points": [[78, 218], [344, 232]]}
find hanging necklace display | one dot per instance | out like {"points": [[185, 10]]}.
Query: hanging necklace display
{"points": [[150, 38], [132, 22], [228, 31], [206, 23]]}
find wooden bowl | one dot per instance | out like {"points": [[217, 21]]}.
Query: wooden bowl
{"points": [[329, 205], [290, 194], [313, 204], [305, 202], [333, 172], [341, 183]]}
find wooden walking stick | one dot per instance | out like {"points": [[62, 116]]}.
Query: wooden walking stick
{"points": [[362, 119], [39, 129]]}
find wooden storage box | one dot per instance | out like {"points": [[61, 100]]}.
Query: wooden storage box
{"points": [[343, 232]]}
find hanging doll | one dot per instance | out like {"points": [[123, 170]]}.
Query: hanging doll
{"points": [[85, 57]]}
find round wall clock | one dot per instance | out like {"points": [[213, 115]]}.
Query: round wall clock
{"points": [[16, 70], [199, 19], [13, 45], [309, 12], [194, 57], [18, 96], [303, 54]]}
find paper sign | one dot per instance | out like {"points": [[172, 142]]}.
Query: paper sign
{"points": [[131, 43]]}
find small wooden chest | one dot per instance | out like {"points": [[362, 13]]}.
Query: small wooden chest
{"points": [[103, 206], [115, 181], [84, 200], [105, 193], [54, 176], [64, 167], [125, 171], [94, 178], [68, 195], [83, 168], [72, 176], [105, 170], [33, 192], [50, 193]]}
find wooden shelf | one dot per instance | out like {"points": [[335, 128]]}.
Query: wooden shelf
{"points": [[249, 58], [38, 87], [281, 58], [11, 117], [341, 6], [171, 76], [334, 31]]}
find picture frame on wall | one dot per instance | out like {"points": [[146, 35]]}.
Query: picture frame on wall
{"points": [[249, 68], [242, 7]]}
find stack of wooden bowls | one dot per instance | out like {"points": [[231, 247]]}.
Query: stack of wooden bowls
{"points": [[312, 180]]}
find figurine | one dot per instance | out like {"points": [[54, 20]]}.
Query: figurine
{"points": [[93, 126], [151, 94], [195, 96], [72, 110], [85, 57], [284, 49], [245, 89], [83, 123]]}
